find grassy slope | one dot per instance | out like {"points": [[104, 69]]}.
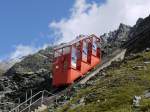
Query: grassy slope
{"points": [[115, 92]]}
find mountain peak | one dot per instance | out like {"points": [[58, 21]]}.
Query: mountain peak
{"points": [[118, 35], [123, 26]]}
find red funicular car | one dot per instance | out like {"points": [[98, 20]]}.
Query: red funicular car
{"points": [[75, 59]]}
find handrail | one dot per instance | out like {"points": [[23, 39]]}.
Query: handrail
{"points": [[30, 99], [30, 105], [25, 101]]}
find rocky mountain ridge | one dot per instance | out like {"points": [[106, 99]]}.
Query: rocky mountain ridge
{"points": [[118, 36], [135, 38], [5, 65], [139, 36]]}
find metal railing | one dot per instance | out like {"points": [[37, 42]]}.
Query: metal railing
{"points": [[33, 102]]}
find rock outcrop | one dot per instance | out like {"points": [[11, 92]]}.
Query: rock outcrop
{"points": [[139, 36], [135, 39], [33, 72], [119, 36]]}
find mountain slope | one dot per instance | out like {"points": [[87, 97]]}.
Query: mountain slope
{"points": [[33, 72], [122, 81], [1, 72], [115, 91], [5, 65], [32, 63]]}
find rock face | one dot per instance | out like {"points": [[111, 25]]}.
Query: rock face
{"points": [[114, 39], [139, 36], [135, 39], [119, 36]]}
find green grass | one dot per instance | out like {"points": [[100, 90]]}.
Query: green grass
{"points": [[115, 92]]}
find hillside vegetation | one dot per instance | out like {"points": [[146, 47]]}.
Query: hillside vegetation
{"points": [[115, 91]]}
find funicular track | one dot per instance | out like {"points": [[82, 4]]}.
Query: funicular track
{"points": [[46, 98]]}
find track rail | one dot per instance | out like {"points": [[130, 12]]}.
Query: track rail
{"points": [[105, 63]]}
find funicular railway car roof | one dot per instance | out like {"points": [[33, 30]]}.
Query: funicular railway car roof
{"points": [[70, 43], [79, 38]]}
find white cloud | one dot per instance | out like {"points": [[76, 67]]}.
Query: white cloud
{"points": [[16, 56], [22, 50], [94, 18]]}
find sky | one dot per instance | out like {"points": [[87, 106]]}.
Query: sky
{"points": [[24, 24], [29, 25]]}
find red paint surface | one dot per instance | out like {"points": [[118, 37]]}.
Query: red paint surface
{"points": [[64, 73]]}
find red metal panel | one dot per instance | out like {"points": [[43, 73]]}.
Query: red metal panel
{"points": [[63, 71]]}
